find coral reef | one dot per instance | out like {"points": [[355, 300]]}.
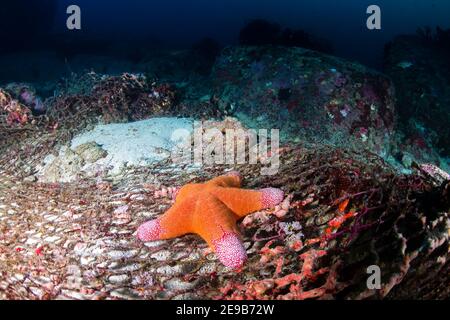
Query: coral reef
{"points": [[122, 98], [99, 98], [26, 94], [14, 114], [344, 208], [15, 119]]}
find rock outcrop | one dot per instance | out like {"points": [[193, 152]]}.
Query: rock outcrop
{"points": [[420, 69], [308, 95]]}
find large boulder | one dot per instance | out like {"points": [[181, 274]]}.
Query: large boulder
{"points": [[306, 94], [420, 68]]}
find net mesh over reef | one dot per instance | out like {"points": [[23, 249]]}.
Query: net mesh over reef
{"points": [[343, 213]]}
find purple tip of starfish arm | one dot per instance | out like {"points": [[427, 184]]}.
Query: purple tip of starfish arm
{"points": [[149, 231], [230, 251], [271, 197], [234, 174]]}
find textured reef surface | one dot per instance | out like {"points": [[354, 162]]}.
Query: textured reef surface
{"points": [[308, 95], [420, 68], [350, 201], [343, 212]]}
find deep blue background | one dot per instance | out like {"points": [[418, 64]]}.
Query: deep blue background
{"points": [[179, 23]]}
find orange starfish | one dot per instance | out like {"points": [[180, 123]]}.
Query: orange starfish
{"points": [[211, 210]]}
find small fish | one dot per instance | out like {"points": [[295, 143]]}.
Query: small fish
{"points": [[405, 64]]}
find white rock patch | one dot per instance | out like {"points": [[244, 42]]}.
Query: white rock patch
{"points": [[137, 143], [126, 144]]}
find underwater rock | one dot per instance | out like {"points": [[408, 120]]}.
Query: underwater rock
{"points": [[63, 168], [107, 149], [228, 123], [306, 94], [439, 176], [423, 93], [91, 152]]}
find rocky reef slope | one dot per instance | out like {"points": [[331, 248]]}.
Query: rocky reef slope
{"points": [[308, 95], [346, 209], [420, 69]]}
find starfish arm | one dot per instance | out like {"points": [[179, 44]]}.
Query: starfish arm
{"points": [[174, 223], [232, 179], [216, 224], [243, 202]]}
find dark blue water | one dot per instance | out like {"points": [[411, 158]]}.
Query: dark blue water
{"points": [[179, 23]]}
